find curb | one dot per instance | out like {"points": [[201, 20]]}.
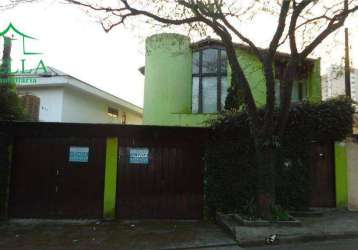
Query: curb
{"points": [[301, 239]]}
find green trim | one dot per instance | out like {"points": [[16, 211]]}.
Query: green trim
{"points": [[341, 175], [110, 182]]}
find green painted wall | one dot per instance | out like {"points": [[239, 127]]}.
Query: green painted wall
{"points": [[314, 88], [168, 81], [341, 174], [110, 181], [254, 74]]}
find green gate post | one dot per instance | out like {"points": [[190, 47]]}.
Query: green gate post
{"points": [[341, 171], [110, 181]]}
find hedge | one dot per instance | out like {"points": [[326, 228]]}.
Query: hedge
{"points": [[230, 174]]}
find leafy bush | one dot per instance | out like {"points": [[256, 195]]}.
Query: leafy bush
{"points": [[230, 176], [11, 107]]}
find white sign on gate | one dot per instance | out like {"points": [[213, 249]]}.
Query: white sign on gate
{"points": [[78, 154]]}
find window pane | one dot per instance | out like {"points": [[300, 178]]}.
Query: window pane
{"points": [[277, 92], [224, 87], [304, 91], [295, 97], [195, 96], [209, 94], [210, 60], [196, 63], [223, 61]]}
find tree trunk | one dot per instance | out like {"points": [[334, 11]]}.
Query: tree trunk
{"points": [[265, 155]]}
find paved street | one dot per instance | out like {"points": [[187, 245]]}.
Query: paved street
{"points": [[323, 245]]}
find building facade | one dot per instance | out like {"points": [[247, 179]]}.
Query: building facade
{"points": [[58, 97], [186, 83], [333, 83]]}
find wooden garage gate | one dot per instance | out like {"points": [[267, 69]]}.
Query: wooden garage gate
{"points": [[170, 186], [46, 184]]}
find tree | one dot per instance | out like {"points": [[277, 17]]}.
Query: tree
{"points": [[225, 18], [10, 104]]}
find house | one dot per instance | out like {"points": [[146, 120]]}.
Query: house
{"points": [[55, 96], [186, 83]]}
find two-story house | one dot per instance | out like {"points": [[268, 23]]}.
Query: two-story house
{"points": [[186, 83]]}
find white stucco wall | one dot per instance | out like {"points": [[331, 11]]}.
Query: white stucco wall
{"points": [[51, 101], [352, 161], [81, 107]]}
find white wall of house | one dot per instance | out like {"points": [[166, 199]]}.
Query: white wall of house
{"points": [[352, 159], [64, 98], [82, 107], [51, 102]]}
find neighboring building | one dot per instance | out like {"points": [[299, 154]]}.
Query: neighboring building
{"points": [[186, 84], [58, 97], [333, 83]]}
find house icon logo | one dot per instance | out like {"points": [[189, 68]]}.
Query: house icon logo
{"points": [[24, 37], [26, 54]]}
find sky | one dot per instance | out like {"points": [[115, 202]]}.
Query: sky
{"points": [[74, 42]]}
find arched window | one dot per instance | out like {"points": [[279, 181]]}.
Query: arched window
{"points": [[210, 85]]}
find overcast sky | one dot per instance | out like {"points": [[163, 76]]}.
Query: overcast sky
{"points": [[76, 44]]}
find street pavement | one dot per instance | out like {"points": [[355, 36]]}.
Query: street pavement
{"points": [[351, 244]]}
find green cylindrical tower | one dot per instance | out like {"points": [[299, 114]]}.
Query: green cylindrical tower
{"points": [[167, 89]]}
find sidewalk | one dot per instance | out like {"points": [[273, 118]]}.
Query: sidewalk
{"points": [[123, 235], [335, 224]]}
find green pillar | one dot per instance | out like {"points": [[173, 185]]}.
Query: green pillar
{"points": [[341, 169], [110, 181]]}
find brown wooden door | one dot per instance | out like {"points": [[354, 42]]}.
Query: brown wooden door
{"points": [[32, 179], [169, 187], [81, 185], [44, 184], [322, 176]]}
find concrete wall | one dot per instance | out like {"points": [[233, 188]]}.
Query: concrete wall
{"points": [[51, 102], [168, 81], [352, 165], [86, 108]]}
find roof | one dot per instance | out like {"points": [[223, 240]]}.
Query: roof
{"points": [[57, 78], [210, 42]]}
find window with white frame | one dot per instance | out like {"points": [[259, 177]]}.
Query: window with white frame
{"points": [[209, 89]]}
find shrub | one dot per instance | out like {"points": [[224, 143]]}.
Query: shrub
{"points": [[230, 174]]}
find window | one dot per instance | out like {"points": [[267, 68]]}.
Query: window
{"points": [[209, 87], [112, 112], [298, 91]]}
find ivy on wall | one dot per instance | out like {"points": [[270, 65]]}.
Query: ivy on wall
{"points": [[230, 175]]}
